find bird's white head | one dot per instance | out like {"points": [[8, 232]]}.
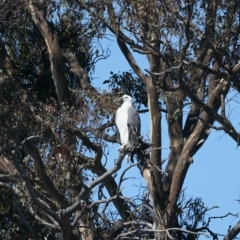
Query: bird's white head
{"points": [[126, 98]]}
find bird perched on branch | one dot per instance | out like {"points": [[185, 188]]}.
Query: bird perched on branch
{"points": [[128, 125]]}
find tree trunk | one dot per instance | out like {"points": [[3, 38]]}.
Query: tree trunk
{"points": [[85, 228]]}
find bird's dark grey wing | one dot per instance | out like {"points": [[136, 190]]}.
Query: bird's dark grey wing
{"points": [[134, 124]]}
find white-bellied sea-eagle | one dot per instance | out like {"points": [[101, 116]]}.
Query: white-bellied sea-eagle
{"points": [[128, 124]]}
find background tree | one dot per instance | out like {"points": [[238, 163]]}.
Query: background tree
{"points": [[55, 125]]}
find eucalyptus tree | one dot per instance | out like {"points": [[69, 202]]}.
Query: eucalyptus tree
{"points": [[55, 126], [192, 49], [46, 55]]}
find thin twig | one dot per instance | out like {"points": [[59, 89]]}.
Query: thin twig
{"points": [[160, 170], [166, 71], [123, 173], [29, 138]]}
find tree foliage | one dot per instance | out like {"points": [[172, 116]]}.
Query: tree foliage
{"points": [[55, 126]]}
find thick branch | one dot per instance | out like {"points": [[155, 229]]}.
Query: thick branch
{"points": [[174, 117], [100, 170], [77, 69], [123, 47], [48, 184], [233, 232], [112, 188], [86, 190], [190, 146], [42, 221], [85, 139], [33, 152], [227, 125], [54, 51], [22, 217], [32, 192]]}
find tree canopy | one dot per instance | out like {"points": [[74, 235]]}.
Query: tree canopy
{"points": [[56, 126]]}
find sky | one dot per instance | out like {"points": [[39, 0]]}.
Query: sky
{"points": [[215, 173]]}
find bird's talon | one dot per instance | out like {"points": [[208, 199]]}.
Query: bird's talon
{"points": [[122, 148]]}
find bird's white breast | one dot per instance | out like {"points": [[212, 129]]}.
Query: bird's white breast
{"points": [[121, 122]]}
